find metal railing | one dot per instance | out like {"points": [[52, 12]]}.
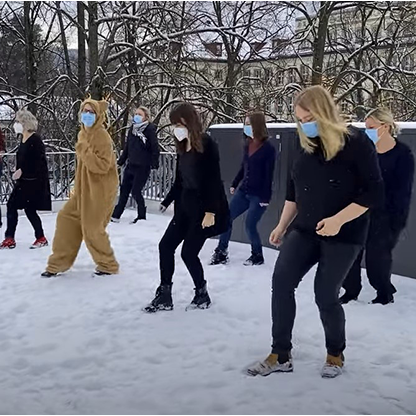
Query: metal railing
{"points": [[62, 166]]}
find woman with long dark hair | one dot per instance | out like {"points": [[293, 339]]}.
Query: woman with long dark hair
{"points": [[201, 208], [141, 153], [251, 188], [334, 182], [387, 221], [31, 191]]}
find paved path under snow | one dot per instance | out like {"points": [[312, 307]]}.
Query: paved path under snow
{"points": [[76, 345]]}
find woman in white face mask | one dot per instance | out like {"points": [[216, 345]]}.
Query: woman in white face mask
{"points": [[31, 191], [201, 208], [140, 155]]}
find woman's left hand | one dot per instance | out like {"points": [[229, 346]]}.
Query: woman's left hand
{"points": [[329, 227], [209, 220], [17, 175]]}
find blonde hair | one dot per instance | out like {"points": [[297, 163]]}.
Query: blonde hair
{"points": [[27, 120], [384, 116], [146, 112], [332, 129]]}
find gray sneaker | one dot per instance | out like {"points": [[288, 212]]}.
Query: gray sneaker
{"points": [[333, 366], [271, 365]]}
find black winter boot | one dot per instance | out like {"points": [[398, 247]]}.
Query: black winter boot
{"points": [[346, 298], [201, 299], [140, 216], [254, 260], [219, 257], [162, 301]]}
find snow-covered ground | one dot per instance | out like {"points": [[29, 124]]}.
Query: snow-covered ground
{"points": [[75, 344]]}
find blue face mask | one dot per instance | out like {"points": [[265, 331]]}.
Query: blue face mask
{"points": [[372, 134], [88, 119], [138, 119], [310, 129], [248, 131]]}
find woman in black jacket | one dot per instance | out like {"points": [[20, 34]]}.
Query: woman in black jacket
{"points": [[32, 190], [254, 182], [334, 182], [201, 208], [387, 221], [141, 153]]}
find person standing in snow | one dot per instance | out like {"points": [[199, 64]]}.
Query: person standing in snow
{"points": [[141, 153], [87, 213], [387, 221], [334, 182], [255, 191], [2, 151], [31, 191], [201, 207]]}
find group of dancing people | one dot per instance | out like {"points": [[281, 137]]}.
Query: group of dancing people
{"points": [[348, 196]]}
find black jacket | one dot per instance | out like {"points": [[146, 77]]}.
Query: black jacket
{"points": [[32, 190], [322, 188], [210, 188], [256, 172], [397, 168], [138, 153]]}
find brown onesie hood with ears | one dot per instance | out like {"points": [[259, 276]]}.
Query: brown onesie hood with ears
{"points": [[87, 214]]}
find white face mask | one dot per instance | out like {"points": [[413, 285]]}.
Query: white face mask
{"points": [[181, 133], [18, 128]]}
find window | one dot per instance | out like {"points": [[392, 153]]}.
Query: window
{"points": [[246, 103], [268, 74], [246, 74], [279, 106], [305, 72], [280, 78], [345, 107], [219, 75], [292, 75], [257, 75], [408, 63]]}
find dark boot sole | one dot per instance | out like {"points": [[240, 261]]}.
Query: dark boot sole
{"points": [[150, 310]]}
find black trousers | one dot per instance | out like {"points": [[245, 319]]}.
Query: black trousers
{"points": [[13, 218], [378, 260], [299, 253], [134, 180], [185, 227]]}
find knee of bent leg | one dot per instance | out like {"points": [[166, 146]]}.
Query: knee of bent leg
{"points": [[188, 253]]}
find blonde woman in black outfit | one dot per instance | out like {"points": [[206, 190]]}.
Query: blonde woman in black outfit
{"points": [[387, 221], [334, 182], [201, 208]]}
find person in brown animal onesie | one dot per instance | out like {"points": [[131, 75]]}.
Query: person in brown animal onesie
{"points": [[87, 213]]}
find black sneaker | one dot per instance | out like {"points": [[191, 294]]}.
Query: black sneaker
{"points": [[346, 298], [254, 260], [48, 275], [201, 299], [382, 300], [99, 273], [219, 257], [162, 301]]}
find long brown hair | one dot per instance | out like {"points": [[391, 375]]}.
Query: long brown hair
{"points": [[332, 129], [258, 124], [186, 114]]}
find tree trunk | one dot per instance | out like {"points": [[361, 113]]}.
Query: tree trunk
{"points": [[82, 55], [31, 66], [96, 85], [320, 41]]}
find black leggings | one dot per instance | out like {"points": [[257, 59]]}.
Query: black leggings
{"points": [[186, 227], [299, 253], [13, 218]]}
